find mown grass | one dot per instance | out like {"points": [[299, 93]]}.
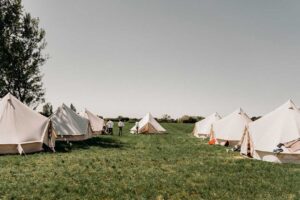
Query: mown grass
{"points": [[169, 166]]}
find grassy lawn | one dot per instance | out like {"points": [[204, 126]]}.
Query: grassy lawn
{"points": [[169, 166]]}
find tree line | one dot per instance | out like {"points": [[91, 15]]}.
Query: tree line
{"points": [[22, 43]]}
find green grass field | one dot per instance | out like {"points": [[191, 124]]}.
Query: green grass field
{"points": [[169, 166]]}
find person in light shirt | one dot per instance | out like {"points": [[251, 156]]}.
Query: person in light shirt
{"points": [[110, 125], [121, 125]]}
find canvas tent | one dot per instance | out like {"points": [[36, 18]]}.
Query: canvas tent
{"points": [[148, 125], [68, 125], [279, 128], [22, 130], [96, 123], [230, 129], [83, 114], [203, 127]]}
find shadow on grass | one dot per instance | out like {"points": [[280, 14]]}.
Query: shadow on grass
{"points": [[103, 142]]}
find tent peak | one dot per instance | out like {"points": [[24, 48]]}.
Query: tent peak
{"points": [[290, 101], [239, 111], [149, 114], [288, 105], [9, 96], [216, 114]]}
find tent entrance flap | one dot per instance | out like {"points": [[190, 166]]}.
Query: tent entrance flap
{"points": [[148, 128]]}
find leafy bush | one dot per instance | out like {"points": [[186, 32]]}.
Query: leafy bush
{"points": [[189, 119], [166, 119]]}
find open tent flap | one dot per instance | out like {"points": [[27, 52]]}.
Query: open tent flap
{"points": [[212, 139], [50, 137], [148, 128], [293, 146], [203, 127], [246, 144], [20, 149]]}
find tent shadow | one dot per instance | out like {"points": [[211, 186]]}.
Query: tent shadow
{"points": [[102, 142]]}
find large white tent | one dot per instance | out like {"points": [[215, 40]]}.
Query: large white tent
{"points": [[96, 123], [148, 125], [281, 126], [68, 125], [230, 129], [22, 130], [202, 128]]}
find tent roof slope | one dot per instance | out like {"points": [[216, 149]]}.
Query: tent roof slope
{"points": [[19, 124], [96, 122], [204, 126], [279, 126], [232, 126], [66, 122]]}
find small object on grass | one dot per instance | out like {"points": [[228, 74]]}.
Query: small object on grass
{"points": [[212, 142], [236, 148]]}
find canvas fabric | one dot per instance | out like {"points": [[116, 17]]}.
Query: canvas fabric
{"points": [[148, 125], [232, 127], [96, 122], [67, 124], [281, 126], [293, 146], [22, 130], [202, 128]]}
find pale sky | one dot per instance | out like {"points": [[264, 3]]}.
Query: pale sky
{"points": [[193, 57]]}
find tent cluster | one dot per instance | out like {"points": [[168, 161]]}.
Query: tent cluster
{"points": [[275, 137], [23, 130]]}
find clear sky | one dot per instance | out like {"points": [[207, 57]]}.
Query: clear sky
{"points": [[193, 57]]}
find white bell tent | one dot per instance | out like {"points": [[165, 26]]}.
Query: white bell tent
{"points": [[68, 125], [96, 123], [279, 128], [148, 125], [22, 130], [230, 129], [203, 127]]}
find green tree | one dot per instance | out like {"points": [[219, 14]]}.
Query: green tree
{"points": [[187, 119], [166, 117], [47, 110], [21, 45]]}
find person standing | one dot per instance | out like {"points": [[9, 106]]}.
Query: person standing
{"points": [[110, 125], [121, 125], [137, 127]]}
